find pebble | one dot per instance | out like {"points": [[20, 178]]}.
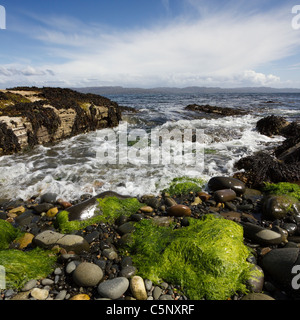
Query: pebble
{"points": [[157, 292], [113, 289], [29, 285], [137, 287], [261, 235], [48, 239], [179, 211], [220, 183], [224, 195], [39, 294], [81, 297], [87, 275]]}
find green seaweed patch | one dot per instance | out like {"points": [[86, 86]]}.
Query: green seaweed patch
{"points": [[207, 259], [110, 209], [113, 207], [7, 234], [283, 188], [184, 185], [21, 266]]}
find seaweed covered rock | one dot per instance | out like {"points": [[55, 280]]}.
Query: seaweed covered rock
{"points": [[215, 110], [280, 206], [21, 266], [183, 186], [32, 116], [271, 125], [207, 258], [264, 167]]}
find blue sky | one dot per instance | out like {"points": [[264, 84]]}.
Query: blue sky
{"points": [[150, 43]]}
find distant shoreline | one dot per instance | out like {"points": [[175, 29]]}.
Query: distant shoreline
{"points": [[112, 90]]}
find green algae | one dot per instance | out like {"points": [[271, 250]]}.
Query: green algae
{"points": [[7, 234], [283, 188], [184, 185], [110, 209], [207, 259], [21, 266]]}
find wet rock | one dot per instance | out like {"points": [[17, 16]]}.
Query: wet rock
{"points": [[44, 207], [48, 239], [215, 110], [170, 202], [49, 198], [203, 196], [24, 241], [279, 263], [271, 125], [179, 211], [224, 195], [220, 183], [52, 212], [113, 289], [87, 274], [261, 235], [278, 207], [256, 279]]}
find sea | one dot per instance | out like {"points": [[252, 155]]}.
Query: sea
{"points": [[96, 162]]}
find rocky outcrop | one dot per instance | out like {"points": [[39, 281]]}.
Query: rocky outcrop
{"points": [[279, 165], [33, 116], [216, 110]]}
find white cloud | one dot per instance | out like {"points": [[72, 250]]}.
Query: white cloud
{"points": [[216, 49]]}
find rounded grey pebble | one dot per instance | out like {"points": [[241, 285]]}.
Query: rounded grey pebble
{"points": [[29, 285], [47, 282], [87, 274], [157, 292], [113, 289], [148, 284], [71, 266], [128, 272], [61, 296]]}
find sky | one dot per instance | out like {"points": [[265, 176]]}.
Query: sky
{"points": [[150, 43]]}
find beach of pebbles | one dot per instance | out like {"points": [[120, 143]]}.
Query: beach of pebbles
{"points": [[90, 266]]}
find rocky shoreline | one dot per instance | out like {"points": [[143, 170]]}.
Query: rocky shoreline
{"points": [[115, 247], [90, 265]]}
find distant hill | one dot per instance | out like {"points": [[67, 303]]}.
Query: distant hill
{"points": [[190, 90]]}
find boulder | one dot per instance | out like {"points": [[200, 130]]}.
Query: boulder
{"points": [[279, 265], [220, 183], [278, 207]]}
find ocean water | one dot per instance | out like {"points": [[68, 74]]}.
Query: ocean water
{"points": [[76, 166]]}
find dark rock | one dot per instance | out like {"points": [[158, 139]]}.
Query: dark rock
{"points": [[224, 195], [263, 167], [44, 207], [179, 211], [215, 110], [279, 263], [271, 125], [220, 183], [261, 235], [278, 207]]}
